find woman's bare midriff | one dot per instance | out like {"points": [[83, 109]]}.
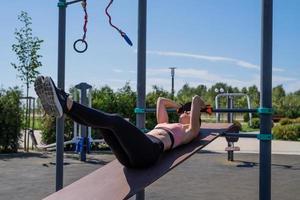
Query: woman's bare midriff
{"points": [[163, 136]]}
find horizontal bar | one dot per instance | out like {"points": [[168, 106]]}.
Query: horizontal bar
{"points": [[71, 2], [225, 110], [240, 135], [235, 110]]}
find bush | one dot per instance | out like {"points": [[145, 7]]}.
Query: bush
{"points": [[49, 129], [287, 132], [246, 117], [10, 120], [297, 120], [285, 121], [238, 124], [255, 123]]}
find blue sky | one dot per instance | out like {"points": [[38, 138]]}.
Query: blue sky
{"points": [[208, 41]]}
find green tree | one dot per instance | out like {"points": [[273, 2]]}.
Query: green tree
{"points": [[186, 93], [254, 95], [297, 93], [291, 106], [26, 49], [126, 102], [104, 99], [278, 95]]}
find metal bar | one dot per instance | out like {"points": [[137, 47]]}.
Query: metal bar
{"points": [[234, 110], [266, 99], [240, 135], [141, 71], [72, 2], [225, 110], [60, 84]]}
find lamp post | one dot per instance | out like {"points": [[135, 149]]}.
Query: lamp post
{"points": [[172, 76]]}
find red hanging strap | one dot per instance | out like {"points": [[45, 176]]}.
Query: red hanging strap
{"points": [[84, 5], [123, 34]]}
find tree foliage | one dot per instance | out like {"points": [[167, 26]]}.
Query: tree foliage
{"points": [[26, 49], [10, 120]]}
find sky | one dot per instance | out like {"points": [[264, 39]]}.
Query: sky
{"points": [[208, 41]]}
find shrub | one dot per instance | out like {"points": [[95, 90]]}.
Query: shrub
{"points": [[255, 123], [285, 121], [246, 117], [49, 129], [238, 124], [297, 120], [287, 132], [10, 120]]}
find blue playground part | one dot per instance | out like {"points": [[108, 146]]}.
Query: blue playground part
{"points": [[80, 144]]}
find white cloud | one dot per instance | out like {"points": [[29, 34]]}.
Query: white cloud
{"points": [[117, 70], [282, 79], [237, 62], [193, 77]]}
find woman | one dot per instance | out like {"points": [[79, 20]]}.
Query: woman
{"points": [[131, 147]]}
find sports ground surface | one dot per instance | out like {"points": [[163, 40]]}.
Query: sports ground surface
{"points": [[205, 175]]}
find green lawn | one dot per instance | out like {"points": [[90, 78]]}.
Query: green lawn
{"points": [[37, 123], [246, 128]]}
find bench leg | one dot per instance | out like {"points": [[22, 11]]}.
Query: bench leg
{"points": [[230, 153], [230, 156]]}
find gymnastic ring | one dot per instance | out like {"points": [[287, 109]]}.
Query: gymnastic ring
{"points": [[85, 46]]}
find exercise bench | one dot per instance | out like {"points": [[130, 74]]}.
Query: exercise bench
{"points": [[115, 182]]}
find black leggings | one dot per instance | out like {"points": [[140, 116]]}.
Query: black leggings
{"points": [[131, 146]]}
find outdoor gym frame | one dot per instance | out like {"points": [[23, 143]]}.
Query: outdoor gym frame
{"points": [[265, 87]]}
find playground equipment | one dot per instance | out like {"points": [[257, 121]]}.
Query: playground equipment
{"points": [[265, 109], [83, 139], [29, 125], [230, 103]]}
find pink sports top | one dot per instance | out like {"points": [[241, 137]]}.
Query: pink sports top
{"points": [[176, 129]]}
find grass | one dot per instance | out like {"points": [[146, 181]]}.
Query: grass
{"points": [[37, 123], [246, 128]]}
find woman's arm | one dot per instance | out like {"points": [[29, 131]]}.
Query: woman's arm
{"points": [[161, 109]]}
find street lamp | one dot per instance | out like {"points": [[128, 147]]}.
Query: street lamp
{"points": [[172, 76]]}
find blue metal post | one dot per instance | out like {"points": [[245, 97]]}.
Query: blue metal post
{"points": [[83, 87], [141, 71], [60, 84], [266, 99]]}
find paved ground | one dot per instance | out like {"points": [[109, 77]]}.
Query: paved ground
{"points": [[251, 145], [206, 175]]}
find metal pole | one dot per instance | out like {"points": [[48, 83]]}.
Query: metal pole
{"points": [[33, 120], [266, 99], [141, 71], [60, 84], [172, 77], [84, 100], [29, 123]]}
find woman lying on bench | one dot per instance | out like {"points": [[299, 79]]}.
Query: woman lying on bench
{"points": [[131, 146]]}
